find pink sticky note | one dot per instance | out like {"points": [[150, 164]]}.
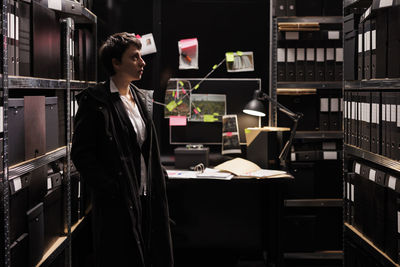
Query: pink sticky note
{"points": [[138, 36], [188, 43], [229, 134], [195, 111], [177, 121], [183, 90]]}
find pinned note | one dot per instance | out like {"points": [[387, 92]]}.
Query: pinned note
{"points": [[188, 49], [209, 118], [196, 87], [177, 121], [171, 106], [229, 57], [239, 53]]}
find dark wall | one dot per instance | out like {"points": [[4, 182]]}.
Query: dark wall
{"points": [[219, 25]]}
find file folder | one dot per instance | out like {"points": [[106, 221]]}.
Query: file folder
{"points": [[290, 64], [300, 64], [384, 125], [339, 64], [360, 66], [375, 122], [373, 48], [367, 49], [393, 123], [334, 112], [281, 60], [11, 38], [330, 64], [324, 114]]}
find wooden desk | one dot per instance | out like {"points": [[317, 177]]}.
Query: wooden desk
{"points": [[238, 216]]}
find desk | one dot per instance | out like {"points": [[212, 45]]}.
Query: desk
{"points": [[241, 215]]}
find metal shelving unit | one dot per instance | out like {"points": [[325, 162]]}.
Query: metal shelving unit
{"points": [[313, 203], [317, 85], [321, 20], [71, 11], [373, 84], [319, 255], [319, 135]]}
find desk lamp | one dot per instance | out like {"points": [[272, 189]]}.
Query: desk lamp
{"points": [[256, 107]]}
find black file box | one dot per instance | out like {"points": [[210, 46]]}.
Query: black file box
{"points": [[324, 113], [378, 208], [51, 123], [46, 36], [300, 64], [339, 64], [53, 210], [381, 44], [19, 251], [310, 64], [75, 196], [19, 187], [320, 64], [281, 64], [290, 64], [309, 8], [303, 186], [375, 126], [35, 126], [38, 186], [367, 49], [36, 233], [373, 48], [393, 42], [330, 64], [187, 157], [392, 236], [332, 8], [16, 130], [90, 55], [11, 40], [280, 8], [24, 47], [350, 56], [291, 7], [360, 50]]}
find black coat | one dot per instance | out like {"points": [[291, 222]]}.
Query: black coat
{"points": [[128, 229]]}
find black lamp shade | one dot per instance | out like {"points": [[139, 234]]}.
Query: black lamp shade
{"points": [[255, 107]]}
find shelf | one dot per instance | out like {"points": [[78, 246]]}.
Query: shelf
{"points": [[319, 135], [324, 255], [313, 203], [321, 19], [373, 84], [368, 245], [357, 3], [22, 82], [375, 158], [58, 247], [308, 85], [32, 164]]}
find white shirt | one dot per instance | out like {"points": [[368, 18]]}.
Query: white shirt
{"points": [[140, 129]]}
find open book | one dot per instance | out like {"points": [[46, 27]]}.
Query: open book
{"points": [[245, 168]]}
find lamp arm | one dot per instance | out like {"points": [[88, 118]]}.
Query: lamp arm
{"points": [[285, 151], [263, 96]]}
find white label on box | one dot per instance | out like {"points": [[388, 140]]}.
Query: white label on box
{"points": [[49, 184], [330, 54], [54, 4], [330, 155], [377, 113], [341, 104], [301, 54], [17, 184], [291, 55], [335, 104], [360, 43], [368, 106], [373, 40], [320, 55], [352, 193], [392, 182], [385, 3], [16, 28], [372, 175], [293, 156], [345, 109], [357, 168], [1, 119], [11, 24], [388, 113], [367, 40], [328, 145], [393, 113], [348, 191], [281, 54], [353, 110], [398, 222], [374, 113], [383, 112], [79, 189], [339, 54], [333, 35], [310, 54], [324, 102], [292, 35], [398, 115]]}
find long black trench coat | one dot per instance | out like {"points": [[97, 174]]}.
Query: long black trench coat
{"points": [[128, 229]]}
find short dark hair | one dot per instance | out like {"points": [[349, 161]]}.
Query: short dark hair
{"points": [[114, 47]]}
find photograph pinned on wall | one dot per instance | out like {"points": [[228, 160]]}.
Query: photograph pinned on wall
{"points": [[239, 61], [177, 98], [148, 44], [230, 135], [207, 107], [188, 54]]}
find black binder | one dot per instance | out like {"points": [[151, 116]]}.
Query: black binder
{"points": [[310, 64], [375, 96], [290, 64], [335, 117], [393, 42], [24, 47], [381, 44], [300, 64], [378, 208], [291, 7], [281, 61], [384, 122], [373, 48], [16, 130], [339, 64], [397, 127], [360, 50], [391, 217], [280, 8], [52, 127], [393, 124], [324, 114], [19, 251], [11, 38], [367, 49], [350, 56], [320, 64]]}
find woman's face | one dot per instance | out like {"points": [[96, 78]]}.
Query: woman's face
{"points": [[131, 65]]}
